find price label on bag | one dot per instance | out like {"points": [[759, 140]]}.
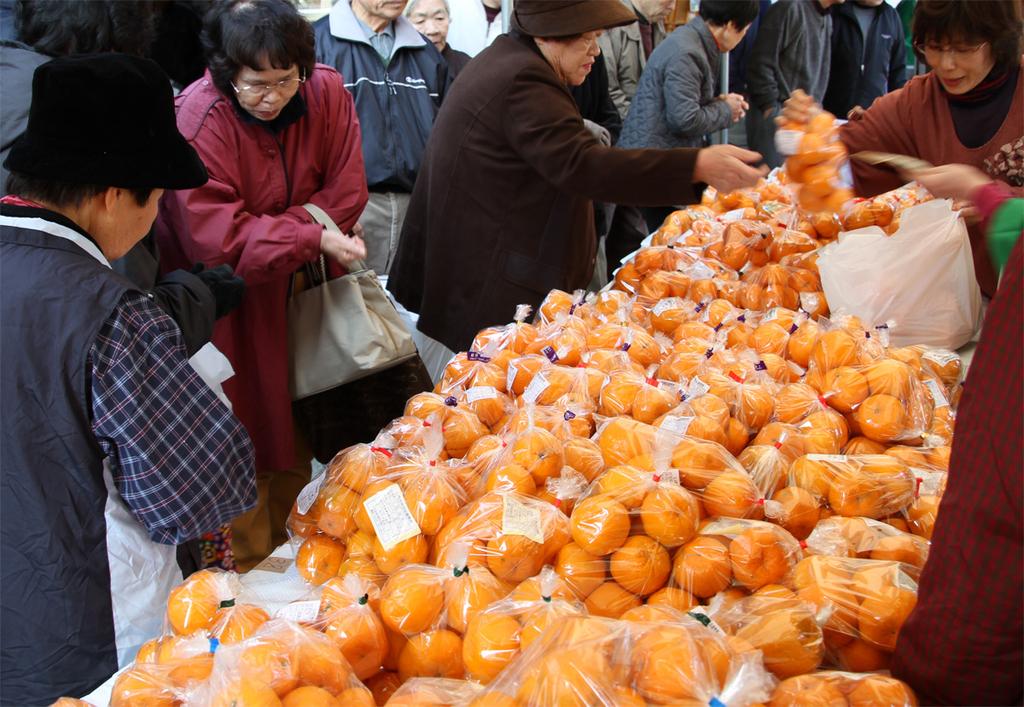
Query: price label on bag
{"points": [[519, 519], [697, 388], [677, 424], [838, 458], [277, 565], [390, 516], [669, 476], [305, 612], [481, 392], [937, 393], [537, 386], [307, 497]]}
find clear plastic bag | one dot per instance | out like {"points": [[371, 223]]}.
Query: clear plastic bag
{"points": [[866, 485], [830, 687]]}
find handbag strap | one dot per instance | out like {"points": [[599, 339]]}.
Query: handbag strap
{"points": [[321, 217]]}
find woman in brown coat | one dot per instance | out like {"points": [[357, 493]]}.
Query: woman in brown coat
{"points": [[501, 210]]}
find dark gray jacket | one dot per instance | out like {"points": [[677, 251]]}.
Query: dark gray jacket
{"points": [[793, 50], [676, 103]]}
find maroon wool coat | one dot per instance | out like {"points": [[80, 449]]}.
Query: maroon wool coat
{"points": [[250, 216], [501, 212]]}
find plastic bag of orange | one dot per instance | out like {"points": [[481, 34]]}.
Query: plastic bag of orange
{"points": [[434, 692], [514, 337], [784, 628], [349, 613], [510, 534], [759, 553], [594, 661], [838, 688], [495, 636], [865, 603], [192, 605], [279, 659], [868, 485], [145, 684], [867, 539]]}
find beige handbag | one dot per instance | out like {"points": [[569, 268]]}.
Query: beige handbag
{"points": [[343, 329]]}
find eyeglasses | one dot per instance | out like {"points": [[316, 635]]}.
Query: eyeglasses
{"points": [[260, 91], [938, 51]]}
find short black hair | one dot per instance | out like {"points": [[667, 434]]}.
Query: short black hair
{"points": [[239, 33], [60, 28], [997, 22], [721, 12], [63, 194]]}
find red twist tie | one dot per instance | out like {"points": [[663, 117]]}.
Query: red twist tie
{"points": [[657, 478], [504, 444], [735, 376], [558, 503], [778, 445], [760, 501], [380, 450], [426, 424], [803, 544], [821, 399], [652, 381], [917, 489], [433, 463]]}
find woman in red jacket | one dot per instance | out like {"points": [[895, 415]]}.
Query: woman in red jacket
{"points": [[969, 109], [275, 131]]}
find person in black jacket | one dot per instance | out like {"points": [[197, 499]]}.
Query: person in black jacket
{"points": [[868, 55], [397, 79]]}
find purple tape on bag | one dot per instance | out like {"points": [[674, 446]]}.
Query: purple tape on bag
{"points": [[569, 415], [741, 318], [474, 356], [700, 307], [550, 353], [719, 327], [709, 353], [793, 327], [451, 402], [760, 366], [625, 346]]}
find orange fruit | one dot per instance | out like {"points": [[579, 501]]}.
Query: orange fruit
{"points": [[319, 558], [611, 601], [824, 432], [882, 418], [787, 634], [567, 677], [699, 462], [584, 456], [242, 693], [356, 628], [412, 600], [433, 498], [673, 597], [321, 662], [490, 643], [310, 696], [770, 337], [760, 555], [901, 548], [702, 567], [511, 477], [736, 436], [582, 571], [337, 517], [889, 377], [882, 615], [861, 657], [800, 511], [845, 388], [732, 494], [811, 475], [271, 662], [623, 439], [807, 690], [863, 445], [435, 653], [801, 343], [192, 605], [233, 624], [539, 452], [880, 690], [469, 594], [641, 565], [754, 406], [625, 483], [921, 516], [670, 515], [356, 697], [513, 558], [383, 685], [600, 525], [413, 550], [668, 666], [872, 487], [360, 517], [833, 349]]}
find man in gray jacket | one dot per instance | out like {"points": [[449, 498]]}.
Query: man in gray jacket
{"points": [[793, 50], [625, 50]]}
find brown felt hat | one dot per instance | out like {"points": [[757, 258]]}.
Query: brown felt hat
{"points": [[565, 18]]}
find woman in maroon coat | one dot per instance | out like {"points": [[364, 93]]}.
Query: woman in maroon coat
{"points": [[501, 211], [275, 132]]}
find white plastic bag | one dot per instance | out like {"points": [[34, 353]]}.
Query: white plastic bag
{"points": [[919, 281], [214, 368]]}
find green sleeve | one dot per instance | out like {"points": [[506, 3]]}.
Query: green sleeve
{"points": [[1004, 229]]}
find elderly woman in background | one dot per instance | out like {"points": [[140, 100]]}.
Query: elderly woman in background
{"points": [[969, 109], [501, 212], [432, 18], [275, 132]]}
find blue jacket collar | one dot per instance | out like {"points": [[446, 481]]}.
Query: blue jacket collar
{"points": [[345, 26]]}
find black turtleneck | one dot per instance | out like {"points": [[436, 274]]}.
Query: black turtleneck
{"points": [[979, 113]]}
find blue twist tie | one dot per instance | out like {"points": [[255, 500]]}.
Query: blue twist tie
{"points": [[715, 702], [214, 644]]}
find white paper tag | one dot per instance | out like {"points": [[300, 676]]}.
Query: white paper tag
{"points": [[537, 386], [941, 357], [669, 476], [510, 376], [937, 394], [730, 216], [697, 388], [809, 301], [702, 615], [520, 519], [307, 497], [665, 305], [278, 565], [676, 423], [828, 458], [305, 612], [480, 392], [700, 271], [772, 315], [389, 514]]}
